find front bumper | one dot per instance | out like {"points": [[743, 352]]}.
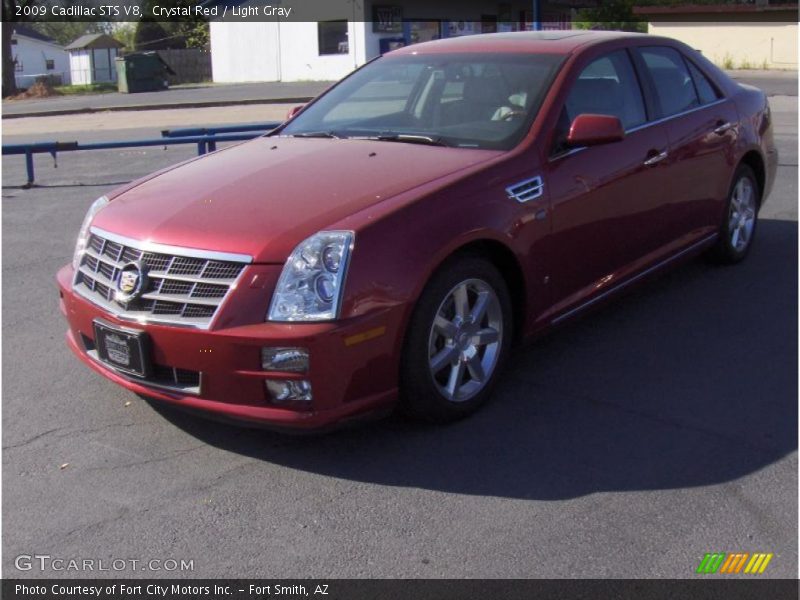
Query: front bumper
{"points": [[353, 366]]}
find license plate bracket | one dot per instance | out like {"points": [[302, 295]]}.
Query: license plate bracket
{"points": [[123, 349]]}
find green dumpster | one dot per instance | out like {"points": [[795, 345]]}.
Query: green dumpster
{"points": [[142, 72]]}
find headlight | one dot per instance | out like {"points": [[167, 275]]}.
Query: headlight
{"points": [[83, 234], [310, 286]]}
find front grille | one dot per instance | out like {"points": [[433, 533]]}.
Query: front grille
{"points": [[185, 289]]}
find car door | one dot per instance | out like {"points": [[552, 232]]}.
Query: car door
{"points": [[701, 127], [607, 199]]}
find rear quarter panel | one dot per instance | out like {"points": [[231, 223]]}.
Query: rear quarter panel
{"points": [[756, 130]]}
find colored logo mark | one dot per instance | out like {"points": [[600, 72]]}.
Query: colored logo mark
{"points": [[734, 563]]}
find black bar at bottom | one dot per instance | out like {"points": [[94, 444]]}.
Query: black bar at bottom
{"points": [[704, 587]]}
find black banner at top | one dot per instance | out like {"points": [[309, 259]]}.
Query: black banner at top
{"points": [[387, 13]]}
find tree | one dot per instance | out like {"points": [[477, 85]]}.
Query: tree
{"points": [[189, 33], [178, 32], [125, 33], [616, 15], [63, 32], [10, 20], [152, 35]]}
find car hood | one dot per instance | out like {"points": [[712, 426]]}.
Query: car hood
{"points": [[264, 197]]}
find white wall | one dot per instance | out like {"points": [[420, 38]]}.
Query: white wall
{"points": [[244, 51], [279, 51], [93, 66], [81, 67], [300, 58], [753, 45], [33, 54]]}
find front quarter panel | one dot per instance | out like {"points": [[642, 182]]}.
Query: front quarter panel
{"points": [[401, 244]]}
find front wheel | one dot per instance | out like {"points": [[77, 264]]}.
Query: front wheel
{"points": [[739, 227], [458, 339]]}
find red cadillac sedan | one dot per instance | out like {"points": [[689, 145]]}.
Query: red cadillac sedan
{"points": [[389, 243]]}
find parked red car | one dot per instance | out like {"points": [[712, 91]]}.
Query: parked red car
{"points": [[393, 239]]}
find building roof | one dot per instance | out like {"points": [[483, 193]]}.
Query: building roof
{"points": [[31, 33], [94, 41], [719, 10]]}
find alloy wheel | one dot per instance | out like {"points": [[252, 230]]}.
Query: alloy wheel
{"points": [[465, 340], [742, 217]]}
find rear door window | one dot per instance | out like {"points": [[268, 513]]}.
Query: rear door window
{"points": [[705, 89], [673, 84]]}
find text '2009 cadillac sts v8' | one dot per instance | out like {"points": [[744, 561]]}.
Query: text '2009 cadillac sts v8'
{"points": [[390, 241]]}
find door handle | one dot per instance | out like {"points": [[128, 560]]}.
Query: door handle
{"points": [[722, 126], [655, 157]]}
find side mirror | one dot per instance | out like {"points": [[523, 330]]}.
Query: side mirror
{"points": [[592, 130], [294, 110]]}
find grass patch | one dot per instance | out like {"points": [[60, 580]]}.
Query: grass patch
{"points": [[727, 62], [92, 88]]}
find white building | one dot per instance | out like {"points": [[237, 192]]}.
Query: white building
{"points": [[352, 34], [91, 59], [36, 55]]}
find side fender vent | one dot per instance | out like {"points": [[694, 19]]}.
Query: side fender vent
{"points": [[527, 190]]}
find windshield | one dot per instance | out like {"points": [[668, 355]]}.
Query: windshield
{"points": [[460, 100]]}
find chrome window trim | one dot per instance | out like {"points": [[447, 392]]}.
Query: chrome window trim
{"points": [[147, 246], [634, 279], [676, 115], [567, 153]]}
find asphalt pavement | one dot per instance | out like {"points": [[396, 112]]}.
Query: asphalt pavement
{"points": [[184, 96], [627, 444]]}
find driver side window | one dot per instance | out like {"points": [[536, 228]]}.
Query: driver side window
{"points": [[606, 86]]}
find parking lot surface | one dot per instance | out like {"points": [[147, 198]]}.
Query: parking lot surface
{"points": [[627, 444]]}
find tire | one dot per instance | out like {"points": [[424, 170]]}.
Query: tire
{"points": [[738, 228], [451, 359]]}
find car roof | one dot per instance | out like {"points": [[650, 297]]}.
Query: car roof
{"points": [[533, 42]]}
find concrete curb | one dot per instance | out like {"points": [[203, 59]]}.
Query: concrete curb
{"points": [[136, 107]]}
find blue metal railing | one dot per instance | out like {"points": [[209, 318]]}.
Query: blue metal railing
{"points": [[205, 138]]}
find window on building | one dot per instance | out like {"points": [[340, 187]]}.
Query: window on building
{"points": [[13, 41], [332, 37], [49, 64], [18, 67]]}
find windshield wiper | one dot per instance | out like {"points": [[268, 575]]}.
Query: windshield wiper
{"points": [[318, 134], [408, 138]]}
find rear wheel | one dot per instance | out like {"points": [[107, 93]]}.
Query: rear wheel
{"points": [[741, 217], [458, 339]]}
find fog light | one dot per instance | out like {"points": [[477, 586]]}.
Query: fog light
{"points": [[287, 390], [291, 360]]}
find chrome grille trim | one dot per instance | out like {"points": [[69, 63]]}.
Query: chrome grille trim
{"points": [[186, 285], [182, 251], [527, 190]]}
